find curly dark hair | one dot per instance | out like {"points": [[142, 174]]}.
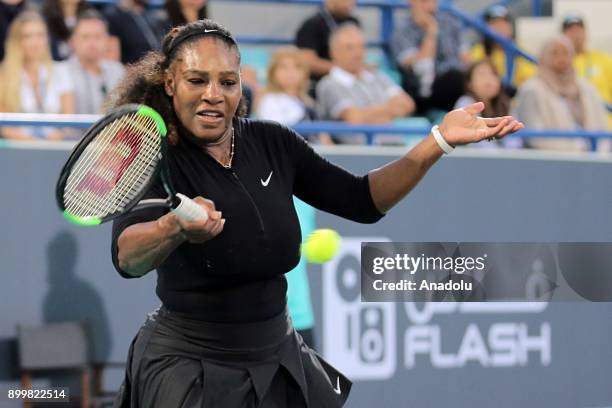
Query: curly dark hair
{"points": [[143, 82]]}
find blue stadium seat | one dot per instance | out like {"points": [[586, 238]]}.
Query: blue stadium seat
{"points": [[416, 122]]}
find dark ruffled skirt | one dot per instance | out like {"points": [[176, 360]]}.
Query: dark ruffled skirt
{"points": [[176, 361]]}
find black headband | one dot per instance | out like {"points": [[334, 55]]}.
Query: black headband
{"points": [[201, 32]]}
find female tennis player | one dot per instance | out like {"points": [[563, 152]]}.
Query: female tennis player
{"points": [[222, 337]]}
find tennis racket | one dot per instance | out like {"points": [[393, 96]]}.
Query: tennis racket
{"points": [[114, 165]]}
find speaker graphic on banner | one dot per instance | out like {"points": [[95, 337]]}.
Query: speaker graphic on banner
{"points": [[360, 337]]}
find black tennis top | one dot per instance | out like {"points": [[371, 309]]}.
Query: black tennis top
{"points": [[238, 276]]}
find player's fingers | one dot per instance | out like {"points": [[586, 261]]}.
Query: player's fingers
{"points": [[202, 232], [218, 228], [491, 132], [211, 231], [210, 223], [475, 108], [210, 202], [205, 202], [492, 122], [214, 215], [508, 128], [200, 226], [210, 207]]}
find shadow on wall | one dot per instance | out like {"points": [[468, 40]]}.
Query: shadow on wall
{"points": [[8, 359], [71, 298]]}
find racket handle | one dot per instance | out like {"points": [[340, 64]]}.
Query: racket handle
{"points": [[189, 210]]}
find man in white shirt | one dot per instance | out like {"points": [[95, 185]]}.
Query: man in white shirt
{"points": [[351, 92], [93, 75]]}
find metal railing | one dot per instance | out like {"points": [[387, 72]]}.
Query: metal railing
{"points": [[537, 6], [84, 121]]}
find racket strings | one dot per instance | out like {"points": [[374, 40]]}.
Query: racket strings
{"points": [[130, 187], [91, 165], [101, 192], [133, 180], [106, 170], [90, 184], [114, 167]]}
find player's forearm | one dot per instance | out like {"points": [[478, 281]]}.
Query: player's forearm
{"points": [[143, 247], [390, 183]]}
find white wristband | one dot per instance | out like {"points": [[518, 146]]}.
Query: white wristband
{"points": [[440, 140]]}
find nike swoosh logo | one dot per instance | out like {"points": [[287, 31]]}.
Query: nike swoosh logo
{"points": [[210, 31], [265, 183], [337, 389]]}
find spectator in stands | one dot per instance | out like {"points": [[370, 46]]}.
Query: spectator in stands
{"points": [[92, 74], [134, 30], [432, 52], [352, 93], [8, 11], [179, 12], [483, 84], [285, 98], [594, 66], [31, 81], [555, 98], [499, 20], [61, 16], [313, 36]]}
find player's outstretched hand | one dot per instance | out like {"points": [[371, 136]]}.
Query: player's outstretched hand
{"points": [[463, 126], [198, 232]]}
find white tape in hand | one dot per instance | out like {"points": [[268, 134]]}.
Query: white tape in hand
{"points": [[189, 210]]}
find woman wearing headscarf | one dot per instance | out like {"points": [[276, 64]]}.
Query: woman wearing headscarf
{"points": [[555, 98]]}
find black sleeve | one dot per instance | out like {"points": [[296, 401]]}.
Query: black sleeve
{"points": [[135, 217], [111, 15], [331, 188], [308, 36]]}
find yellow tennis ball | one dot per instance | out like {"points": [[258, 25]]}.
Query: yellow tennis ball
{"points": [[321, 245]]}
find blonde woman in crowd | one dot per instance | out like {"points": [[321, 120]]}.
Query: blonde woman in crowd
{"points": [[557, 99], [285, 98], [31, 81]]}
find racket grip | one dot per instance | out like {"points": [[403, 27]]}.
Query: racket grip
{"points": [[189, 210]]}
